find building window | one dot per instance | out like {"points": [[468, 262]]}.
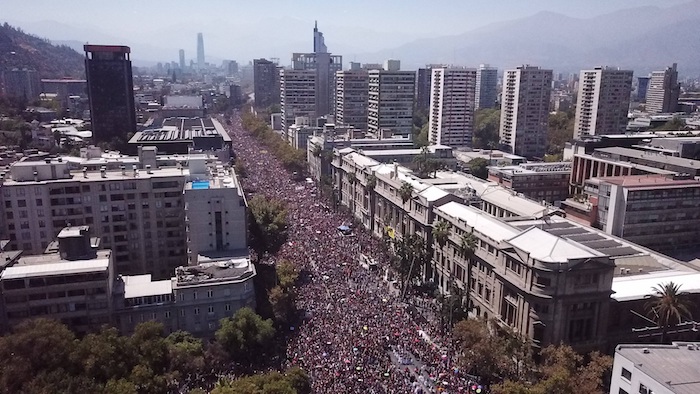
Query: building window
{"points": [[622, 392], [182, 312], [227, 307], [626, 374], [196, 311], [194, 295], [182, 296], [211, 309], [644, 389], [210, 293]]}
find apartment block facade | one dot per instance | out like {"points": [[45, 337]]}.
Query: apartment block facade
{"points": [[351, 98], [297, 95], [486, 86], [603, 101], [452, 104], [525, 110], [265, 83], [390, 104], [663, 92]]}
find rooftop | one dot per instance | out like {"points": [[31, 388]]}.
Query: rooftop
{"points": [[638, 287], [143, 286], [481, 221], [674, 366], [182, 130], [214, 269], [656, 157], [550, 248], [648, 181], [535, 168], [53, 265]]}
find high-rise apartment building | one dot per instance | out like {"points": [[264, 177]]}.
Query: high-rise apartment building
{"points": [[452, 107], [111, 92], [265, 86], [200, 51], [298, 91], [664, 90], [392, 65], [423, 81], [21, 83], [525, 110], [603, 101], [182, 59], [390, 104], [324, 65], [486, 86], [352, 93]]}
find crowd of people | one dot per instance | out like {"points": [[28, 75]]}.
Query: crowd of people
{"points": [[357, 334]]}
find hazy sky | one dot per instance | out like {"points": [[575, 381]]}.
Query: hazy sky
{"points": [[234, 28]]}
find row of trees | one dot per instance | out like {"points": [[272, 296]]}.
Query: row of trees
{"points": [[291, 158], [44, 356], [268, 227]]}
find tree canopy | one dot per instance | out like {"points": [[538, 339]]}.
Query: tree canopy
{"points": [[246, 337], [487, 122], [268, 226], [479, 167]]}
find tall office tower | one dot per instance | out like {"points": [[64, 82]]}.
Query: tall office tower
{"points": [[664, 89], [642, 88], [352, 91], [390, 103], [423, 82], [319, 41], [525, 110], [452, 107], [603, 101], [486, 86], [182, 59], [232, 67], [266, 90], [21, 83], [200, 51], [111, 92], [325, 65], [297, 95]]}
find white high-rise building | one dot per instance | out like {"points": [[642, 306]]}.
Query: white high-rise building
{"points": [[486, 86], [297, 95], [200, 51], [352, 90], [663, 92], [452, 106], [603, 101], [525, 110], [390, 104]]}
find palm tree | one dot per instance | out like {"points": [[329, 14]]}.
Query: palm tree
{"points": [[668, 306], [467, 246], [369, 186], [405, 192], [352, 179]]}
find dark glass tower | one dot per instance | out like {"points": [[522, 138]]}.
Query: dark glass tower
{"points": [[111, 92]]}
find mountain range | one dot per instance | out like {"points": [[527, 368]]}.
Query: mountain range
{"points": [[642, 39], [21, 50]]}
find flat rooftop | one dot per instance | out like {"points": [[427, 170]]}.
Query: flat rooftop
{"points": [[652, 181], [481, 221], [534, 168], [214, 269], [54, 265], [655, 157], [180, 129], [143, 286], [674, 366]]}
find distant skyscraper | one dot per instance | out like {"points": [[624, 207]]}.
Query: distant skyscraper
{"points": [[319, 41], [451, 119], [200, 51], [111, 91], [21, 83], [525, 110], [390, 104], [265, 75], [662, 96], [486, 86], [297, 95], [352, 90], [392, 65], [423, 82], [182, 59], [603, 101], [642, 88]]}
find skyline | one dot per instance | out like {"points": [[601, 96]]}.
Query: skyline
{"points": [[235, 31]]}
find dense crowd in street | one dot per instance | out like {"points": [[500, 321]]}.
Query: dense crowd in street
{"points": [[357, 335]]}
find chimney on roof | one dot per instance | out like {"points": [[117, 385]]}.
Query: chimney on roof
{"points": [[148, 169], [123, 168], [103, 172], [84, 172]]}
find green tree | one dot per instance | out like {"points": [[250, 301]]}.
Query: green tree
{"points": [[287, 274], [668, 306], [185, 353], [676, 123], [560, 131], [370, 185], [104, 355], [245, 336], [294, 381], [486, 128], [410, 256], [405, 192], [268, 224], [468, 243], [479, 167]]}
